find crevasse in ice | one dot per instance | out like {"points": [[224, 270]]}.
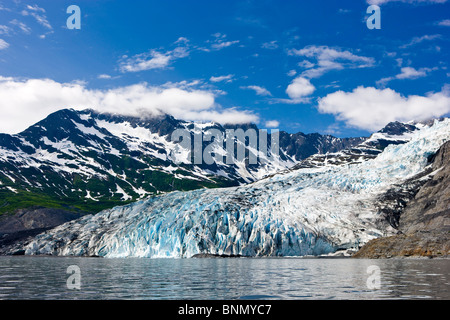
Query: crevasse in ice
{"points": [[302, 212]]}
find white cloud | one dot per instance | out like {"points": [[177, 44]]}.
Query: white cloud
{"points": [[411, 73], [260, 91], [3, 44], [370, 109], [272, 124], [291, 73], [4, 29], [379, 2], [162, 59], [444, 23], [306, 64], [417, 40], [299, 88], [152, 60], [223, 44], [24, 102], [219, 42], [104, 76], [38, 14], [182, 40], [219, 35], [270, 45], [329, 59], [22, 26], [298, 91], [227, 78], [407, 73], [184, 84], [35, 8]]}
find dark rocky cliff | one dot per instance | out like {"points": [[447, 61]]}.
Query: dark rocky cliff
{"points": [[27, 223]]}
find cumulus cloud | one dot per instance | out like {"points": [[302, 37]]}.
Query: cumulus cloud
{"points": [[24, 102], [329, 59], [299, 88], [272, 124], [260, 91], [298, 91], [370, 109]]}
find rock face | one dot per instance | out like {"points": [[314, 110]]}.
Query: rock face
{"points": [[424, 224], [30, 222], [35, 218], [418, 244], [430, 210]]}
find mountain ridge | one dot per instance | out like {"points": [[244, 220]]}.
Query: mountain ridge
{"points": [[89, 161]]}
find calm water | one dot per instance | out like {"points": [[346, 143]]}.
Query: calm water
{"points": [[278, 278]]}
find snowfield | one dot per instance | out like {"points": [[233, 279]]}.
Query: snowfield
{"points": [[308, 211]]}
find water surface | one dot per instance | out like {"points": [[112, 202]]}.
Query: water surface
{"points": [[240, 278]]}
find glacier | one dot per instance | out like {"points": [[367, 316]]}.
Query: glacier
{"points": [[308, 211]]}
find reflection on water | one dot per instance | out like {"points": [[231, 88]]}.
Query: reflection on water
{"points": [[278, 278]]}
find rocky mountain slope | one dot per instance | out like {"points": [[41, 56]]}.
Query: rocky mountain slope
{"points": [[307, 211], [27, 223], [394, 133], [424, 222]]}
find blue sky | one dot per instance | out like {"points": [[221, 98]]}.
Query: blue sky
{"points": [[310, 66]]}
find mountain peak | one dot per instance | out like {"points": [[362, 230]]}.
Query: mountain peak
{"points": [[397, 128]]}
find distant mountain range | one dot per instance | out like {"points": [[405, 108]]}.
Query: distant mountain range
{"points": [[87, 161]]}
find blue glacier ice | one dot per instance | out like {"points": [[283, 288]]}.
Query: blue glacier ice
{"points": [[310, 211]]}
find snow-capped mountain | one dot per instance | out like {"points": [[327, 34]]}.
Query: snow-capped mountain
{"points": [[394, 133], [88, 161], [307, 211]]}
